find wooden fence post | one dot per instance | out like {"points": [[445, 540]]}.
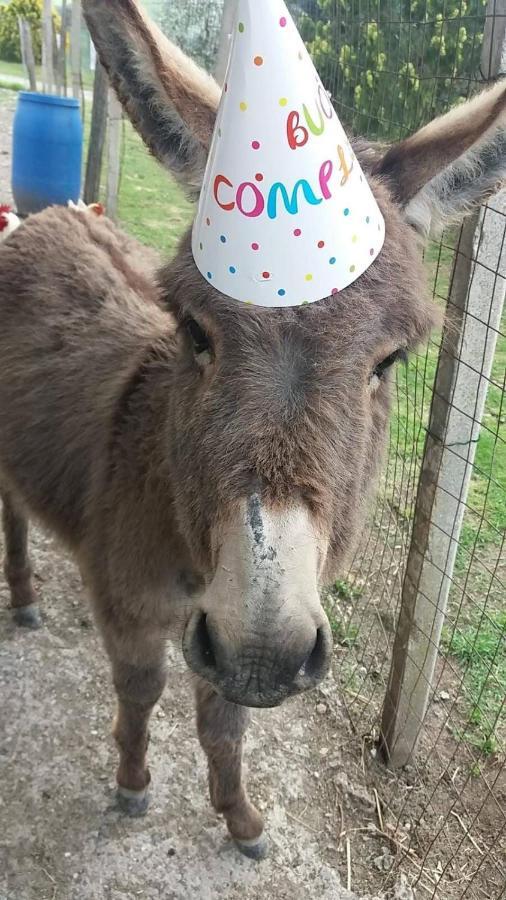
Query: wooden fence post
{"points": [[115, 119], [227, 24], [75, 48], [97, 136], [62, 49], [47, 47], [27, 55], [464, 369], [56, 63]]}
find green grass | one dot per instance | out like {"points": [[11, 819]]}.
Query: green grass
{"points": [[345, 632], [342, 590], [17, 70], [485, 521], [11, 85], [479, 635], [152, 206], [480, 647]]}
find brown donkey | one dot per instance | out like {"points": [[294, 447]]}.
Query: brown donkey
{"points": [[208, 462]]}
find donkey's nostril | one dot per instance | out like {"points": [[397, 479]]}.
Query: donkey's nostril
{"points": [[201, 647], [317, 663], [203, 643], [258, 672]]}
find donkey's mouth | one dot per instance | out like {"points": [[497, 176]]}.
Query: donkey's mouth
{"points": [[255, 700], [261, 673]]}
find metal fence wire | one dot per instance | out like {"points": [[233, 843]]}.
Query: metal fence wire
{"points": [[194, 25], [440, 819]]}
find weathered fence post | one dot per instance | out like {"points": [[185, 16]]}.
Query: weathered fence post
{"points": [[464, 369], [56, 63], [27, 55], [115, 116], [47, 47], [62, 50], [227, 23], [75, 48], [97, 136]]}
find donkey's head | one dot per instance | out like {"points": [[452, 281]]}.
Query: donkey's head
{"points": [[280, 415]]}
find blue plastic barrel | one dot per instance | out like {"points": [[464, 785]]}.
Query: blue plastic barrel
{"points": [[47, 151]]}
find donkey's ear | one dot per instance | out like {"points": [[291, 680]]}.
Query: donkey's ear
{"points": [[171, 102], [456, 162]]}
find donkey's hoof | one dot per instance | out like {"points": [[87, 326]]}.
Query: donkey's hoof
{"points": [[132, 803], [27, 617], [257, 849]]}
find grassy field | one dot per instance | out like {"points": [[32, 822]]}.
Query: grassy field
{"points": [[17, 70], [151, 205], [487, 496]]}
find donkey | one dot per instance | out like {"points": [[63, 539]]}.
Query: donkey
{"points": [[208, 462]]}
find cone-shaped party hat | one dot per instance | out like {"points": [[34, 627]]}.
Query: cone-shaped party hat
{"points": [[286, 216]]}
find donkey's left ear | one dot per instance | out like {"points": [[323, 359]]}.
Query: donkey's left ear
{"points": [[171, 102], [438, 174]]}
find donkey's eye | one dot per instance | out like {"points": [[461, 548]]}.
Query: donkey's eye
{"points": [[198, 337], [382, 368]]}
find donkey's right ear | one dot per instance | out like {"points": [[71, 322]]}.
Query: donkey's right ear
{"points": [[443, 171], [171, 102]]}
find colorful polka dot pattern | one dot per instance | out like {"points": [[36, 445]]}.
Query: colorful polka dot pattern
{"points": [[297, 263]]}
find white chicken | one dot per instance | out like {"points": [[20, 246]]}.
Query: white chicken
{"points": [[96, 208], [8, 222]]}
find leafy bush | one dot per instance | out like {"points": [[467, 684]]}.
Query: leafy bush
{"points": [[31, 10], [193, 26], [380, 61]]}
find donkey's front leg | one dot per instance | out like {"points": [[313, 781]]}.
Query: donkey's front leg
{"points": [[17, 566], [221, 726], [139, 679]]}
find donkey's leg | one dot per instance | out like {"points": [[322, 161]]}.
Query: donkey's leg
{"points": [[17, 567], [139, 673], [221, 726]]}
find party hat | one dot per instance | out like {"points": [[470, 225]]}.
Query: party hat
{"points": [[286, 216]]}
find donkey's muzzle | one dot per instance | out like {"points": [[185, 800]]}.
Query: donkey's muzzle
{"points": [[261, 669]]}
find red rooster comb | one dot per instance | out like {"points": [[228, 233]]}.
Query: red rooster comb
{"points": [[8, 221], [4, 210]]}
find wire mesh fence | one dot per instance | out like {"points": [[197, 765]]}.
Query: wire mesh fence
{"points": [[192, 25], [446, 808]]}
